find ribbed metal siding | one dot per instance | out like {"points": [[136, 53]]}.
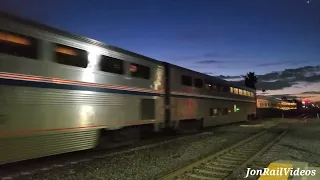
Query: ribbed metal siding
{"points": [[27, 147], [46, 96]]}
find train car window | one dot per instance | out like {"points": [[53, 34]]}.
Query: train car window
{"points": [[219, 111], [208, 84], [225, 89], [18, 45], [236, 91], [225, 111], [215, 111], [240, 92], [71, 56], [231, 89], [214, 88], [139, 71], [111, 65], [218, 88], [198, 83], [186, 80]]}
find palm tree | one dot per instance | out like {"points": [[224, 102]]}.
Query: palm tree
{"points": [[250, 80]]}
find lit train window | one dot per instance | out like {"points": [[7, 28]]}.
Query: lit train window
{"points": [[111, 65], [198, 83], [236, 91], [186, 80], [139, 71], [240, 92], [132, 68], [231, 89], [18, 45], [71, 56]]}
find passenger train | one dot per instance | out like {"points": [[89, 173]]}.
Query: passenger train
{"points": [[61, 92]]}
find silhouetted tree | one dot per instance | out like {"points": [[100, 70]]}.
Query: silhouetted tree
{"points": [[284, 98], [250, 80], [263, 90]]}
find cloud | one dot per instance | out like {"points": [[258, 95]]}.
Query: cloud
{"points": [[229, 77], [208, 73], [311, 92], [210, 62], [274, 63], [288, 96], [307, 73], [218, 55], [273, 85]]}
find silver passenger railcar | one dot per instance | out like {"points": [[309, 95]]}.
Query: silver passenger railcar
{"points": [[200, 100], [57, 91]]}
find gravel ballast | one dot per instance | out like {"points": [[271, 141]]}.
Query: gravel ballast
{"points": [[152, 162], [301, 143]]}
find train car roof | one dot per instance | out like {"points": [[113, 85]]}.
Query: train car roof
{"points": [[202, 74], [53, 30]]}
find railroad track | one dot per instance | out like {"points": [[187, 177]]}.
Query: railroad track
{"points": [[230, 162]]}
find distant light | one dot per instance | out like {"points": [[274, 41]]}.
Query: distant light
{"points": [[303, 102], [238, 109], [308, 2]]}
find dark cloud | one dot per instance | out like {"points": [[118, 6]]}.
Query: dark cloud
{"points": [[288, 96], [229, 77], [269, 85], [311, 92], [209, 73], [218, 55], [275, 63], [307, 73], [210, 62], [273, 85]]}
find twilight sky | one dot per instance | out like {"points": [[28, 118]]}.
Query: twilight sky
{"points": [[220, 37]]}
